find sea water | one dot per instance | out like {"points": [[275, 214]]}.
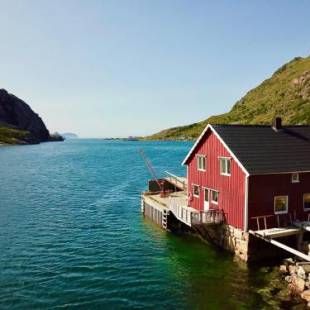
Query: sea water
{"points": [[72, 235]]}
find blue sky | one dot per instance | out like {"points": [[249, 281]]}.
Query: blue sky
{"points": [[127, 67]]}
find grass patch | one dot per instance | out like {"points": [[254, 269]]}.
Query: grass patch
{"points": [[12, 136], [286, 93]]}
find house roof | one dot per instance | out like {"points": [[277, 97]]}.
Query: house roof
{"points": [[262, 150]]}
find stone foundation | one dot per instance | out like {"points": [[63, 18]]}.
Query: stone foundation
{"points": [[244, 245], [226, 237]]}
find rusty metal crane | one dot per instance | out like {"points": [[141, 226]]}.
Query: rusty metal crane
{"points": [[148, 164]]}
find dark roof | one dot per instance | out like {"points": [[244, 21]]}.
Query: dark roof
{"points": [[262, 150]]}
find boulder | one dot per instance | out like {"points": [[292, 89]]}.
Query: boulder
{"points": [[292, 269], [298, 285], [288, 261], [301, 273], [283, 269], [288, 279], [306, 295]]}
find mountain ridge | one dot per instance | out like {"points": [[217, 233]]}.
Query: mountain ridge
{"points": [[286, 93]]}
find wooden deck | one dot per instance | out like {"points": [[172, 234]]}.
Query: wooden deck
{"points": [[278, 232], [303, 225], [177, 204]]}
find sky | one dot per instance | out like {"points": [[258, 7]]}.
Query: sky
{"points": [[114, 68]]}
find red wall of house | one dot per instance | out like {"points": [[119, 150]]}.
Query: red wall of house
{"points": [[263, 189], [231, 188]]}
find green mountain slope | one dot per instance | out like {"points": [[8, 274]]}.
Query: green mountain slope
{"points": [[285, 94]]}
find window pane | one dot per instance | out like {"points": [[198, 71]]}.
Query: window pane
{"points": [[280, 204], [307, 201], [196, 190], [222, 162], [225, 165], [201, 162], [228, 166], [215, 196], [295, 177], [206, 194]]}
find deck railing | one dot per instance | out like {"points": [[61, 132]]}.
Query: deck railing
{"points": [[181, 211], [177, 181], [191, 216], [274, 220]]}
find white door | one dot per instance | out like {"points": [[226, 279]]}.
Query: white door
{"points": [[206, 199]]}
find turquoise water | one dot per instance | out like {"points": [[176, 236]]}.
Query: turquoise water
{"points": [[71, 235]]}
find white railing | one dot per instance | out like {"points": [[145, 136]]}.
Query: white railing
{"points": [[181, 211], [191, 216], [177, 181]]}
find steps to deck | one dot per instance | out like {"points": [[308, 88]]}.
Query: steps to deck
{"points": [[165, 218]]}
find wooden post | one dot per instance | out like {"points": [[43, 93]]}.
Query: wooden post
{"points": [[300, 238], [265, 222]]}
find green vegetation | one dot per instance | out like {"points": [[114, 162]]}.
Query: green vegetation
{"points": [[12, 136], [285, 94]]}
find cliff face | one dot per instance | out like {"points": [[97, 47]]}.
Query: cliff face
{"points": [[19, 121]]}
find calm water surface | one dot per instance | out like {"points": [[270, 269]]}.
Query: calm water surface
{"points": [[71, 235]]}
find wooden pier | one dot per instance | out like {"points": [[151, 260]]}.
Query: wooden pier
{"points": [[159, 206]]}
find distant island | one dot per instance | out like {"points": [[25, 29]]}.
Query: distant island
{"points": [[19, 124], [69, 135], [286, 94]]}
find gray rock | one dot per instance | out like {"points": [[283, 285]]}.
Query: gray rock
{"points": [[292, 269], [301, 273], [288, 279], [306, 295], [283, 269]]}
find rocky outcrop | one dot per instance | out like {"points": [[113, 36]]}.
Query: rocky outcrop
{"points": [[16, 114], [297, 274]]}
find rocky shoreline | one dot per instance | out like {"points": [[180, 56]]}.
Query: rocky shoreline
{"points": [[297, 275]]}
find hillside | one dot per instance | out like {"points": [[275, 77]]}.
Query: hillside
{"points": [[19, 124], [286, 94]]}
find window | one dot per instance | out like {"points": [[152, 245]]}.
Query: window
{"points": [[201, 162], [295, 177], [306, 201], [225, 166], [214, 197], [280, 204], [196, 190]]}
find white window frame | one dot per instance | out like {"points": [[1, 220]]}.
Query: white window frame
{"points": [[197, 196], [226, 160], [218, 196], [303, 201], [292, 177], [274, 204], [198, 156]]}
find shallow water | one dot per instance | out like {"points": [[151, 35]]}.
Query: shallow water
{"points": [[71, 235]]}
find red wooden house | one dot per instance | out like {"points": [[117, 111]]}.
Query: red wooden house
{"points": [[250, 171]]}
